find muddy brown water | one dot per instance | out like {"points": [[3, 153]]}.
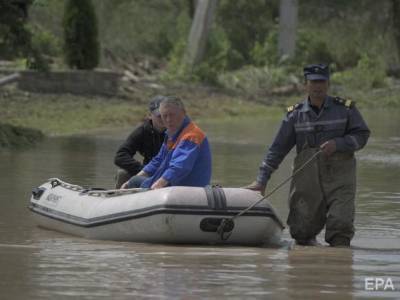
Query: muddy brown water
{"points": [[41, 264]]}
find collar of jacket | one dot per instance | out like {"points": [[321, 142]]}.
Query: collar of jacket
{"points": [[148, 124], [185, 123], [307, 107]]}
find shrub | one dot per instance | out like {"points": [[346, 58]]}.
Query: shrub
{"points": [[44, 47], [245, 23], [15, 38], [214, 62], [46, 42], [252, 81], [311, 48], [215, 59], [369, 73], [81, 46], [176, 69], [266, 53]]}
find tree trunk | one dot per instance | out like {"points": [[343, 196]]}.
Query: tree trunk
{"points": [[199, 31], [192, 7], [287, 27], [396, 23]]}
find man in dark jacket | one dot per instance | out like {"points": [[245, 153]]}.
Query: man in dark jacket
{"points": [[146, 139]]}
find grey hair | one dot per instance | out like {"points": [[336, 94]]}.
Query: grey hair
{"points": [[173, 100]]}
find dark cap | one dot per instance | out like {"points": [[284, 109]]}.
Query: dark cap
{"points": [[154, 104], [316, 72]]}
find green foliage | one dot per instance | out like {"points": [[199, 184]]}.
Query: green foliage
{"points": [[81, 46], [246, 33], [14, 36], [46, 42], [311, 48], [240, 27], [266, 53], [142, 27], [36, 61], [18, 40], [44, 46], [176, 69], [246, 23], [369, 73], [229, 42], [215, 59], [253, 81]]}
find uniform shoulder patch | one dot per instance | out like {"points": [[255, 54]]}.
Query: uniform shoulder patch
{"points": [[346, 102], [293, 107]]}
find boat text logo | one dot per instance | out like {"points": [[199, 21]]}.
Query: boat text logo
{"points": [[53, 198]]}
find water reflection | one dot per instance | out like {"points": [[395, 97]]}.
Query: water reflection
{"points": [[320, 273], [157, 271], [78, 158]]}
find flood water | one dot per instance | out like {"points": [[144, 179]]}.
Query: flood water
{"points": [[41, 264]]}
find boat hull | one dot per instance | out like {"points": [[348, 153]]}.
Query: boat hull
{"points": [[188, 215]]}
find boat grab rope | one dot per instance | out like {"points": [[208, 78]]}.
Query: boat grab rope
{"points": [[56, 182], [113, 193], [93, 192], [226, 223]]}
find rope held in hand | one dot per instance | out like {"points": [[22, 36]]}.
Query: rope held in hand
{"points": [[221, 230]]}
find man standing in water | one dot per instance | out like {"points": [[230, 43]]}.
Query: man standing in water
{"points": [[323, 193]]}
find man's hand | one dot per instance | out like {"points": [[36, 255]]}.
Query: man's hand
{"points": [[160, 183], [142, 173], [255, 186], [329, 147], [124, 186]]}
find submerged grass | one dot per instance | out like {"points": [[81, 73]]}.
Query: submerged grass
{"points": [[16, 137]]}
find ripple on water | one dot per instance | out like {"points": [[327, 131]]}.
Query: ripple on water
{"points": [[381, 158]]}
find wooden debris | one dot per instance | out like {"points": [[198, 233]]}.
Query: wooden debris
{"points": [[9, 79]]}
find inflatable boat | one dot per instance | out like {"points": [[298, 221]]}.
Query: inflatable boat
{"points": [[189, 215]]}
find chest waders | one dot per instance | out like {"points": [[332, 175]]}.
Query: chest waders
{"points": [[323, 195]]}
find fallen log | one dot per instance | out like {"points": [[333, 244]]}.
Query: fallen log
{"points": [[9, 79]]}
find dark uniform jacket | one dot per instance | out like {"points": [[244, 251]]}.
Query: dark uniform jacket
{"points": [[144, 139], [302, 127]]}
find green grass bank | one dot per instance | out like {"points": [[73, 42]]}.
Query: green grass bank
{"points": [[27, 117], [17, 137], [70, 114]]}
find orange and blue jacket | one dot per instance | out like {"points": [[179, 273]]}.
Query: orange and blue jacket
{"points": [[183, 160]]}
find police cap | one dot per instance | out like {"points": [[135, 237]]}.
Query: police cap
{"points": [[316, 72]]}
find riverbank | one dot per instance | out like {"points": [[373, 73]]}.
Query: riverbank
{"points": [[70, 114], [16, 137]]}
